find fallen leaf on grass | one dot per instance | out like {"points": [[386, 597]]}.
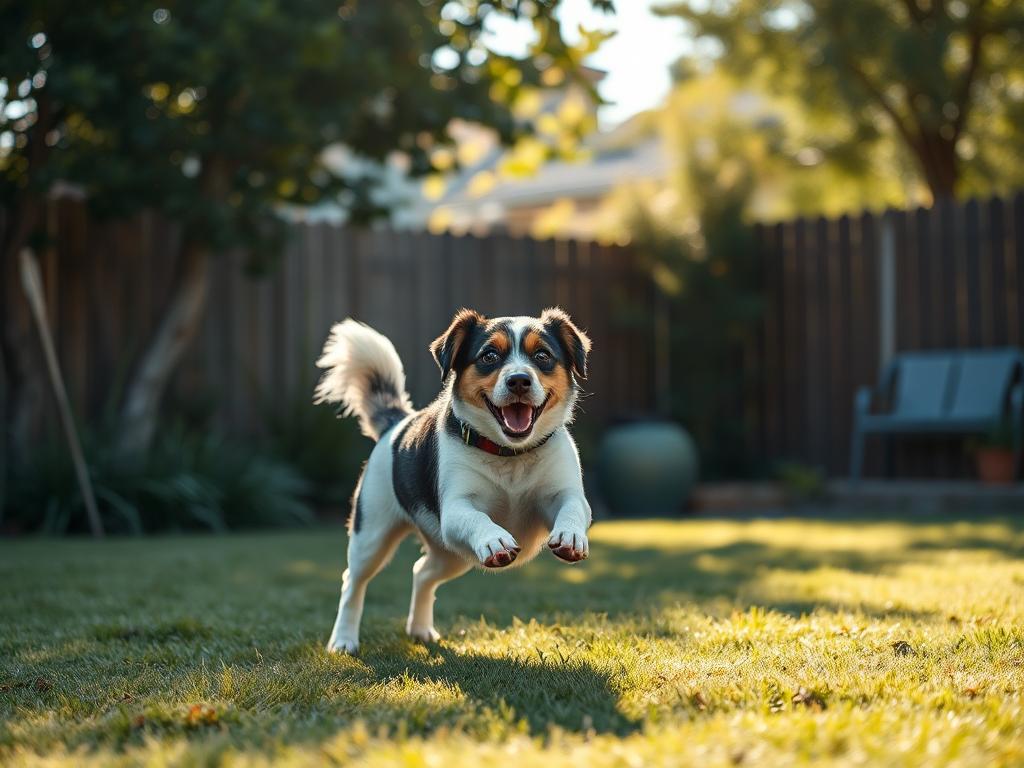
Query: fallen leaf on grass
{"points": [[903, 648], [199, 714], [40, 684], [809, 699]]}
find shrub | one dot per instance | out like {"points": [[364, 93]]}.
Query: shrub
{"points": [[328, 452], [187, 481]]}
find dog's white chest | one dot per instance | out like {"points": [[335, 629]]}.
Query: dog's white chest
{"points": [[514, 498]]}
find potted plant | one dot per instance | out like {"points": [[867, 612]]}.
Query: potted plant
{"points": [[994, 456], [647, 467]]}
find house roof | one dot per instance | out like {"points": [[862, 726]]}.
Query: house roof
{"points": [[630, 152]]}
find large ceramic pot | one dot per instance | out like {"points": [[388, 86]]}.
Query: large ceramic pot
{"points": [[995, 466], [647, 468]]}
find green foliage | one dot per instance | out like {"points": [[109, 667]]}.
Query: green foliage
{"points": [[327, 451], [1000, 436], [944, 80], [216, 112], [711, 642], [707, 270], [798, 162], [186, 482], [801, 482]]}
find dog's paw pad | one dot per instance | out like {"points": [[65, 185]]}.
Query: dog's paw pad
{"points": [[569, 547], [501, 558], [499, 552]]}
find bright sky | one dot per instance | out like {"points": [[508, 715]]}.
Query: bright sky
{"points": [[637, 59]]}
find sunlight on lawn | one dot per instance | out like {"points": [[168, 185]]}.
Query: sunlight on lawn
{"points": [[711, 641]]}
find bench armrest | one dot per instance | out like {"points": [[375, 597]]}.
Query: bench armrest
{"points": [[1017, 426], [862, 401]]}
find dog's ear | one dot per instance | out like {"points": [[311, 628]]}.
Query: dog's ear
{"points": [[575, 342], [447, 347]]}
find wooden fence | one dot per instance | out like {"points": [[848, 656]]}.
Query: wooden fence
{"points": [[843, 295], [107, 284], [262, 336], [840, 297]]}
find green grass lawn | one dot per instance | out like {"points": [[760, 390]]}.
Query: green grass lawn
{"points": [[706, 642]]}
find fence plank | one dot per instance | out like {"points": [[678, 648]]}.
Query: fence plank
{"points": [[968, 286], [1013, 249], [999, 305]]}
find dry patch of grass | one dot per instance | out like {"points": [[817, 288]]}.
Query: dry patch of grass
{"points": [[716, 642]]}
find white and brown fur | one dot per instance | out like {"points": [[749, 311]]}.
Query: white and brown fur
{"points": [[469, 508]]}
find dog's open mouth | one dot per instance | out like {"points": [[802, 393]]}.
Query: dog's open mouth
{"points": [[516, 419]]}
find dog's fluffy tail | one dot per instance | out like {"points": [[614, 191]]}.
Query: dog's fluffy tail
{"points": [[365, 375]]}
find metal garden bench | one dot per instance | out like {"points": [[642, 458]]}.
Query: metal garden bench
{"points": [[943, 392]]}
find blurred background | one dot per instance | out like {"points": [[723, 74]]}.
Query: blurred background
{"points": [[750, 206]]}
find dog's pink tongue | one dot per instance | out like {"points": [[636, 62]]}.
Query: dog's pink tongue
{"points": [[517, 416]]}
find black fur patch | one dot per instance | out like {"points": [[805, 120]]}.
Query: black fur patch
{"points": [[357, 515], [477, 343], [356, 520], [386, 419], [415, 460], [382, 385], [450, 348], [553, 345], [567, 339]]}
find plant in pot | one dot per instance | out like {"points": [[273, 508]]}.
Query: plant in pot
{"points": [[994, 456]]}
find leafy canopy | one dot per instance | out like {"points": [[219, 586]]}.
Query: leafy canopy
{"points": [[216, 111], [943, 78]]}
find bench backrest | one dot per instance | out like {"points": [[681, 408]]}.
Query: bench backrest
{"points": [[960, 384]]}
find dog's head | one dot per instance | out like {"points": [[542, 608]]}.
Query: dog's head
{"points": [[515, 378]]}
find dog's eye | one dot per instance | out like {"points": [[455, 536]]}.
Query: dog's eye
{"points": [[490, 357], [542, 356]]}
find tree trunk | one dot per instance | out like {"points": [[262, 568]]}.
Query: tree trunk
{"points": [[939, 164], [172, 338]]}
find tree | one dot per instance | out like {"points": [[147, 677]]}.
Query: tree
{"points": [[217, 113], [942, 76]]}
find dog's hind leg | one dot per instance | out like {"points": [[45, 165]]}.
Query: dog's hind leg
{"points": [[369, 549], [430, 571]]}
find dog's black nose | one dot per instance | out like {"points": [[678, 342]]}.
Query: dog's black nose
{"points": [[518, 383]]}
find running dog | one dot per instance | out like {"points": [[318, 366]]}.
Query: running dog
{"points": [[486, 475]]}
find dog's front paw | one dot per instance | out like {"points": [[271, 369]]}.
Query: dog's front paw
{"points": [[423, 634], [342, 644], [569, 545], [498, 552]]}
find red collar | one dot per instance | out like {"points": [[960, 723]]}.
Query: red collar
{"points": [[470, 436]]}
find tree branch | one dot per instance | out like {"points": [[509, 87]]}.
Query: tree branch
{"points": [[914, 10], [874, 90], [879, 96], [963, 99]]}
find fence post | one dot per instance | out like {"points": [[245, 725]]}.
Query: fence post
{"points": [[662, 354], [886, 290]]}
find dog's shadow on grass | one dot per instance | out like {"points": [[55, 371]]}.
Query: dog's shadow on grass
{"points": [[553, 690]]}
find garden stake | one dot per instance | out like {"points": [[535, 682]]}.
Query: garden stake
{"points": [[32, 283]]}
